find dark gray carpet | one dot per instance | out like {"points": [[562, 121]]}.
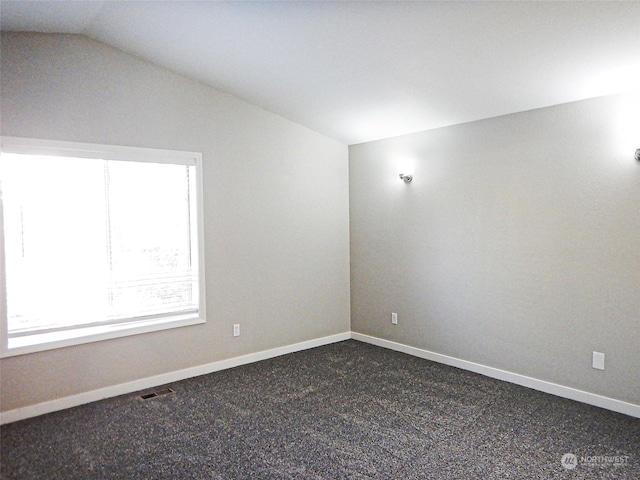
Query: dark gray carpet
{"points": [[347, 410]]}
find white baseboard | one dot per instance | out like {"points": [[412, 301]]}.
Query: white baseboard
{"points": [[150, 382], [540, 385]]}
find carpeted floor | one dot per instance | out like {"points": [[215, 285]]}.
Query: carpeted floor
{"points": [[347, 410]]}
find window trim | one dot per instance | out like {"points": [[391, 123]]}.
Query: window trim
{"points": [[80, 335]]}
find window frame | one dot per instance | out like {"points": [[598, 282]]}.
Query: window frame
{"points": [[75, 336]]}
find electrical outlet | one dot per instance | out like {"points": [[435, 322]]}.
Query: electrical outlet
{"points": [[394, 318], [598, 360], [236, 330]]}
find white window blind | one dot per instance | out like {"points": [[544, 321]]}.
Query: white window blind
{"points": [[91, 242]]}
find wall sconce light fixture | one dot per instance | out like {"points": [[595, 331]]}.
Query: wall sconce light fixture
{"points": [[638, 154], [408, 178]]}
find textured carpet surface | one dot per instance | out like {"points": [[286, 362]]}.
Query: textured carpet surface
{"points": [[347, 410]]}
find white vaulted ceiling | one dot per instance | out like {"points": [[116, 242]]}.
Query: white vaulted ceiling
{"points": [[360, 71]]}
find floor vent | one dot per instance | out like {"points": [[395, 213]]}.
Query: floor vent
{"points": [[159, 393]]}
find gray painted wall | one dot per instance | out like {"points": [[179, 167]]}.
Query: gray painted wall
{"points": [[275, 201], [517, 246]]}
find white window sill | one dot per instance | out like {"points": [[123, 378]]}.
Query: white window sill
{"points": [[52, 340]]}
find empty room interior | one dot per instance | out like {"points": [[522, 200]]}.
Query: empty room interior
{"points": [[401, 239]]}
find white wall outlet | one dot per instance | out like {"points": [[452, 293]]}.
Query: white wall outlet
{"points": [[394, 318], [236, 330], [598, 360]]}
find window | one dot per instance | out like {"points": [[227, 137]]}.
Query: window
{"points": [[97, 242]]}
